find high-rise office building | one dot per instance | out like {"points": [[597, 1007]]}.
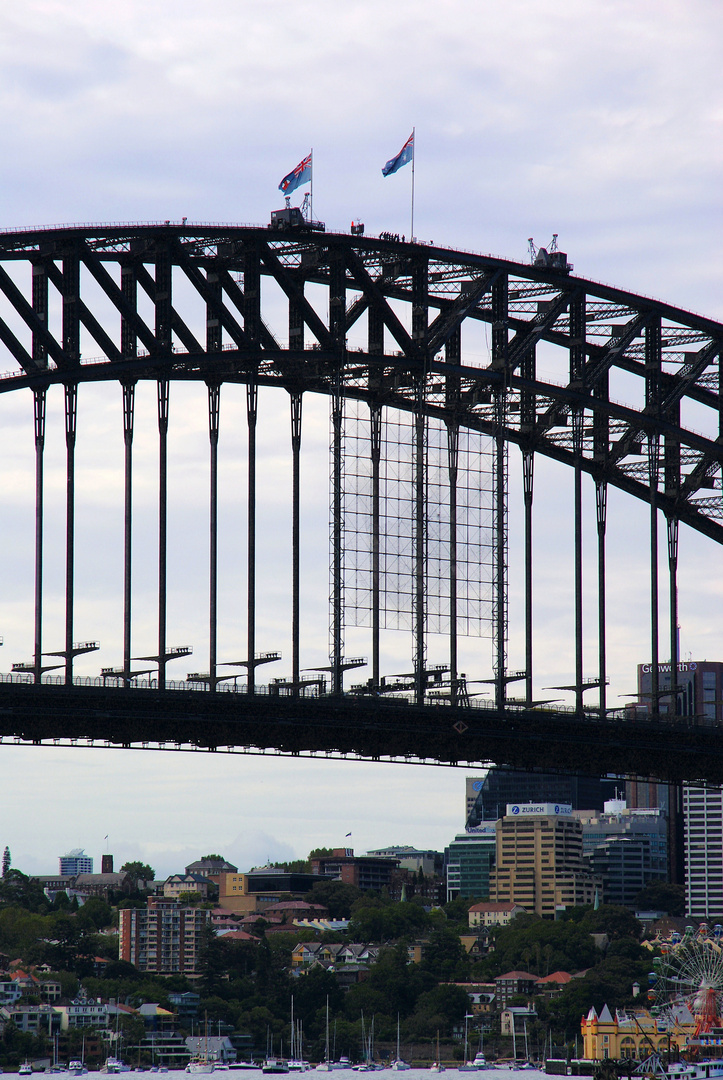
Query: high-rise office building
{"points": [[703, 838], [699, 695], [75, 862], [699, 686], [468, 862], [539, 861], [627, 848], [487, 797]]}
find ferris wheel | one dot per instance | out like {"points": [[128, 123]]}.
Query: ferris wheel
{"points": [[689, 972]]}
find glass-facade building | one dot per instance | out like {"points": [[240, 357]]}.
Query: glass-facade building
{"points": [[488, 798], [469, 860]]}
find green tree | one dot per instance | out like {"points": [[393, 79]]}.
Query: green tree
{"points": [[211, 962], [6, 861], [610, 919], [337, 897], [392, 986], [16, 889], [458, 910], [138, 871], [571, 946], [440, 1009], [95, 913], [190, 899], [375, 919], [444, 955], [661, 896]]}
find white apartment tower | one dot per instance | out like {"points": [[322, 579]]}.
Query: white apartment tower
{"points": [[703, 838], [75, 862]]}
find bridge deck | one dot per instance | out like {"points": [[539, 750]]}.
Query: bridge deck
{"points": [[371, 728]]}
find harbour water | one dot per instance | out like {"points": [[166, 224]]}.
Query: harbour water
{"points": [[500, 1072]]}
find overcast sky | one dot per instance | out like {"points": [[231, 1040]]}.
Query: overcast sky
{"points": [[599, 120]]}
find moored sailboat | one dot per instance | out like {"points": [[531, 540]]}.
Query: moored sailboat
{"points": [[325, 1065], [437, 1066], [398, 1065]]}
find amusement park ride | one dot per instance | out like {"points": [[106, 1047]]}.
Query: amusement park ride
{"points": [[688, 976]]}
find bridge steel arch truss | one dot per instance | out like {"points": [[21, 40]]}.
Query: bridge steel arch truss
{"points": [[388, 333]]}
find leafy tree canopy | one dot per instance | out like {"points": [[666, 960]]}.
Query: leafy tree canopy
{"points": [[95, 912], [457, 911], [385, 921], [17, 890], [541, 947], [661, 896], [138, 871], [336, 896], [616, 922]]}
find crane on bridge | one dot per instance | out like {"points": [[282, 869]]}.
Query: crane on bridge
{"points": [[549, 258]]}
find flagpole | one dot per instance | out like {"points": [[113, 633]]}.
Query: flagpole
{"points": [[414, 146]]}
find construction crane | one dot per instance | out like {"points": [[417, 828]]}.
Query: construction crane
{"points": [[549, 258]]}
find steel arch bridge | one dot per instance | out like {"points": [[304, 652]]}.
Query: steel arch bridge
{"points": [[380, 321]]}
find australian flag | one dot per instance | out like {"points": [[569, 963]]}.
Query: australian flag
{"points": [[405, 154], [298, 176]]}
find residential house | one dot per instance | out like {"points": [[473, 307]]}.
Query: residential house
{"points": [[513, 983], [307, 953], [83, 1013], [26, 982], [211, 867], [10, 992], [237, 935], [349, 975], [488, 914], [32, 1019], [482, 998], [552, 985], [217, 1048], [155, 1018], [223, 919], [188, 883], [322, 926], [50, 990], [186, 1004], [415, 951], [291, 910], [515, 1018]]}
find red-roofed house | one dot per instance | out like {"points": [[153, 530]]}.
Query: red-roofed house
{"points": [[552, 984], [236, 935], [295, 909], [488, 914], [27, 983]]}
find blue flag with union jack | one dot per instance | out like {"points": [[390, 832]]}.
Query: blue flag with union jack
{"points": [[298, 176], [405, 154]]}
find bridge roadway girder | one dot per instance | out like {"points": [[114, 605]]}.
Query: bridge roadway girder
{"points": [[663, 749]]}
